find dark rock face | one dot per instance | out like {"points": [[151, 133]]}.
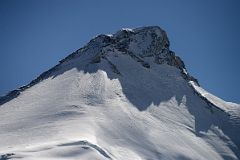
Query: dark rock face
{"points": [[6, 156], [143, 42]]}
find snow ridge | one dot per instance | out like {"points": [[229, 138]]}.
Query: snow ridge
{"points": [[139, 43]]}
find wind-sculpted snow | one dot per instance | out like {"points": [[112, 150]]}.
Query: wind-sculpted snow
{"points": [[124, 96], [72, 150]]}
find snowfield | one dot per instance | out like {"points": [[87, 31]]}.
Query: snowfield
{"points": [[107, 102]]}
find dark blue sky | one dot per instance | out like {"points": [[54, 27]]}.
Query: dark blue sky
{"points": [[36, 34]]}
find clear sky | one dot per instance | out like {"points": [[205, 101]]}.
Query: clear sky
{"points": [[36, 34]]}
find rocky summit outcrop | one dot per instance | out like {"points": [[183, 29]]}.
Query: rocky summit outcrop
{"points": [[140, 43]]}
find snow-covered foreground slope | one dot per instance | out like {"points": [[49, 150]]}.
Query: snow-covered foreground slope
{"points": [[119, 98]]}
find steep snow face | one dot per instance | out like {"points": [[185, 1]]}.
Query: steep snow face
{"points": [[125, 96]]}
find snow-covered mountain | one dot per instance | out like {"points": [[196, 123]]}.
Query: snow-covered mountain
{"points": [[125, 96]]}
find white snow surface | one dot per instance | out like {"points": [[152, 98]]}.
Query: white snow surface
{"points": [[85, 110], [226, 106]]}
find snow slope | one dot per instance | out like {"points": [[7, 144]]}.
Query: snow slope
{"points": [[122, 96]]}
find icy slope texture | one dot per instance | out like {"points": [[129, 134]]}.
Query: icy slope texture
{"points": [[122, 96]]}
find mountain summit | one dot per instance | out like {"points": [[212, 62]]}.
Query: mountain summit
{"points": [[121, 96]]}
